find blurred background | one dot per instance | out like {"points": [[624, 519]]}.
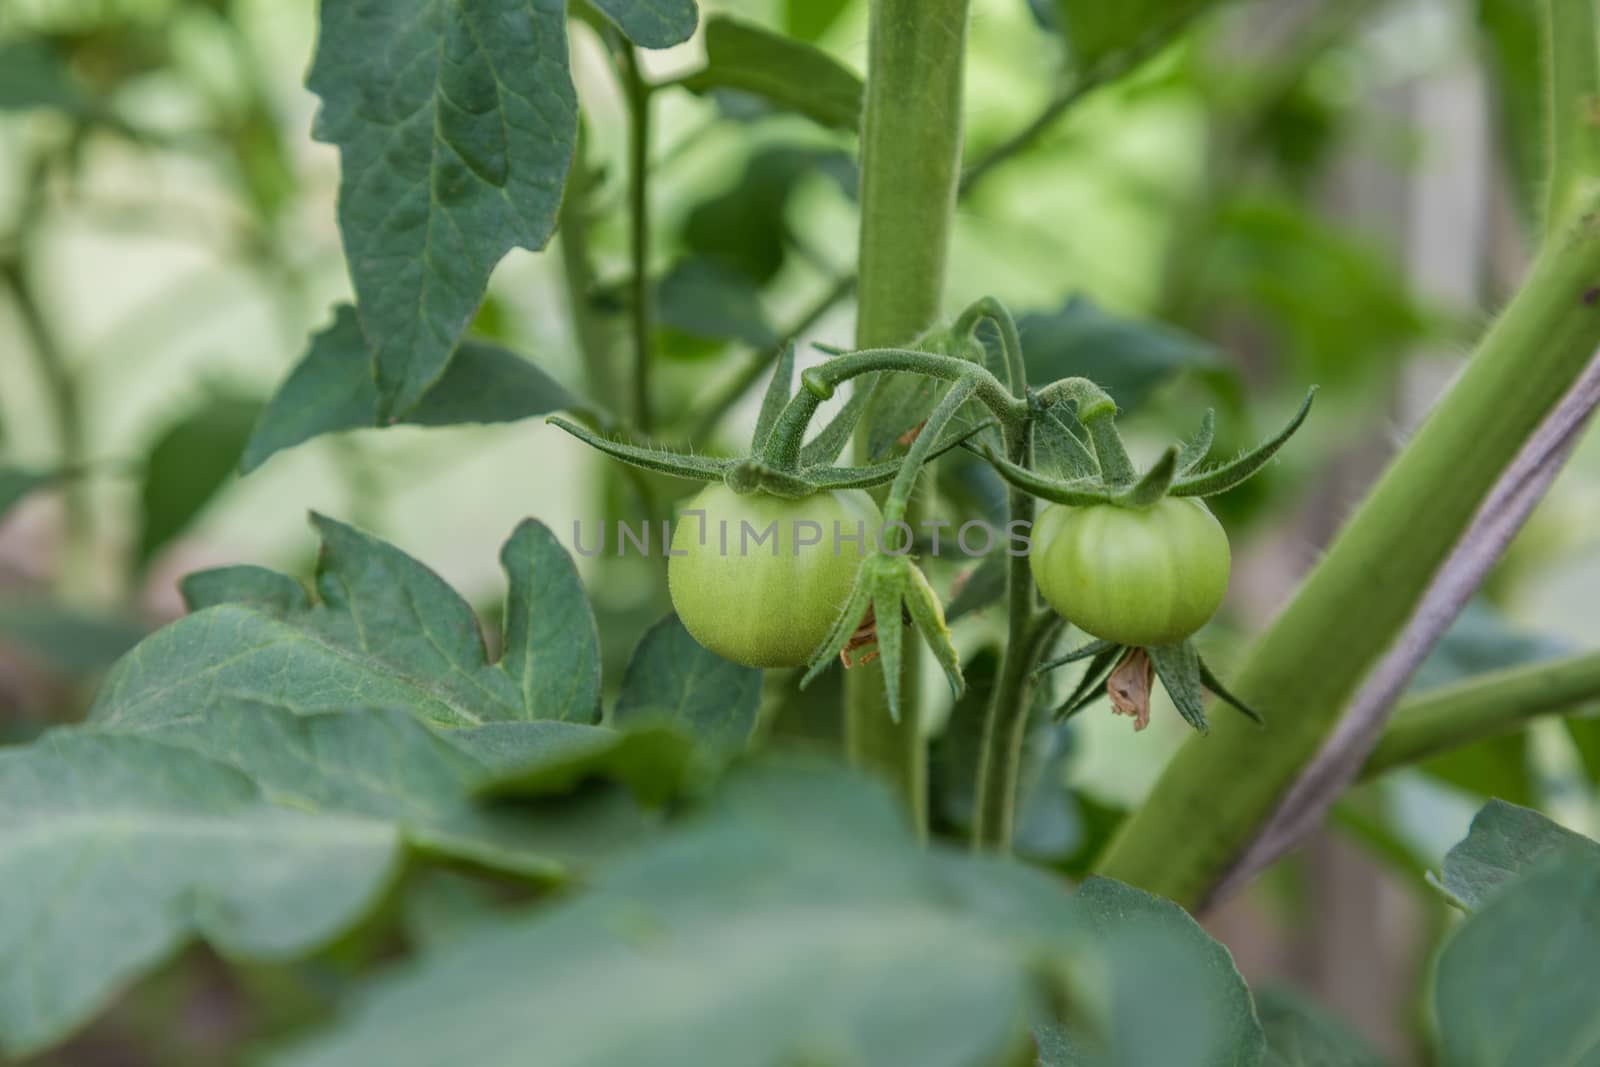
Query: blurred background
{"points": [[1299, 191]]}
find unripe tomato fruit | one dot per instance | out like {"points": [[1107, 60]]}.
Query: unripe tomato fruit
{"points": [[766, 604], [1147, 576]]}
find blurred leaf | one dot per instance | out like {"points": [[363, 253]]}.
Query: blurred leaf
{"points": [[1338, 306], [673, 681], [331, 389], [74, 641], [705, 301], [1505, 842], [1128, 358], [658, 763], [1515, 55], [388, 633], [810, 19], [651, 23], [743, 228], [1516, 984], [114, 851], [813, 715], [791, 74], [797, 921], [16, 483], [1481, 639], [981, 586], [33, 74], [188, 465], [1099, 33], [1301, 1034], [1164, 992], [455, 124]]}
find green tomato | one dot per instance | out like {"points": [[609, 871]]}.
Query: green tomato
{"points": [[1148, 576], [767, 599]]}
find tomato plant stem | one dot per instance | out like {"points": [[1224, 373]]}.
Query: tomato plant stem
{"points": [[641, 309], [1449, 717], [910, 166], [1573, 107], [578, 276], [1218, 792]]}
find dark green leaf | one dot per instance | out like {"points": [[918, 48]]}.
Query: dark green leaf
{"points": [[33, 74], [455, 123], [188, 465], [1505, 842], [114, 851], [1300, 1034], [788, 73], [980, 587], [744, 228], [673, 681], [810, 19], [656, 762], [652, 23], [1126, 357], [798, 921], [388, 633], [1100, 34], [1166, 993], [331, 390], [1516, 984], [272, 592], [705, 300], [1058, 449]]}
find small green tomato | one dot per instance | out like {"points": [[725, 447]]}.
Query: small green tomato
{"points": [[1147, 576], [767, 599]]}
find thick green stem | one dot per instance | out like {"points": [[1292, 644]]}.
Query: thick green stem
{"points": [[910, 165], [641, 310], [1573, 107], [1218, 792], [1485, 706]]}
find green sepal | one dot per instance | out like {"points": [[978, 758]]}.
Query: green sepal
{"points": [[1082, 652], [697, 468], [1092, 685], [1198, 447], [827, 445], [844, 627], [1153, 485], [890, 628], [1221, 479], [1209, 679], [1058, 449], [774, 400], [1081, 492], [1178, 667], [928, 616]]}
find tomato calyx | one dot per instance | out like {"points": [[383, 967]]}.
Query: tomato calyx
{"points": [[890, 591], [1124, 673]]}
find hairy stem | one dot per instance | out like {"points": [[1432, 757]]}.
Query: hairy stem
{"points": [[1218, 792], [910, 165], [1484, 706]]}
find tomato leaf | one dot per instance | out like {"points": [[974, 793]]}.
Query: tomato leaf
{"points": [[673, 680], [1128, 358], [1516, 983], [331, 390], [1151, 953], [114, 851], [456, 125], [765, 935], [1102, 35], [810, 19], [1504, 843], [790, 74], [1301, 1034], [188, 466], [388, 633]]}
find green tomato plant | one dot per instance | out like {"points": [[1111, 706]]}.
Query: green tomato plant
{"points": [[312, 779]]}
